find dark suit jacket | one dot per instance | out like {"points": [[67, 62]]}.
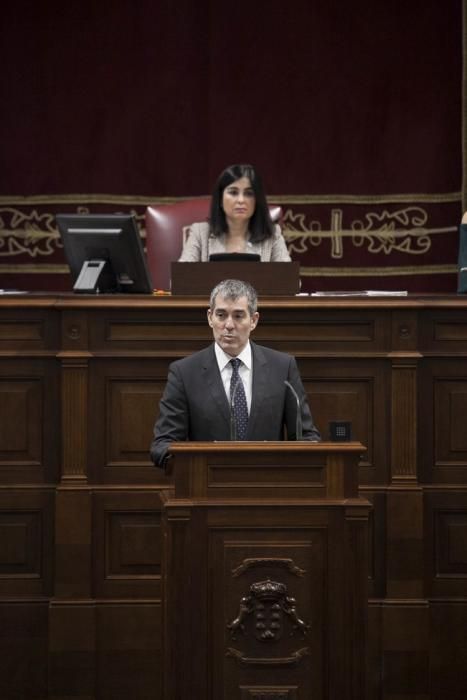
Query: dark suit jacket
{"points": [[195, 406]]}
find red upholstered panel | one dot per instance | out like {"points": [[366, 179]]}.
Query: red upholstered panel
{"points": [[164, 235]]}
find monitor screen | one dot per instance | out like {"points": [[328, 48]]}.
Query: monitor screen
{"points": [[105, 253]]}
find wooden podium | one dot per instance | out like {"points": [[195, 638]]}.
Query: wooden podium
{"points": [[265, 572]]}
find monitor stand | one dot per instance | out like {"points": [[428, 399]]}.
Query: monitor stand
{"points": [[92, 272]]}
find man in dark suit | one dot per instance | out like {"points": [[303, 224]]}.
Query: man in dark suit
{"points": [[208, 398]]}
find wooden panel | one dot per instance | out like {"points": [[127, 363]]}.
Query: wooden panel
{"points": [[376, 543], [20, 551], [405, 649], [272, 279], [448, 650], [355, 590], [443, 407], [72, 650], [29, 406], [446, 543], [131, 406], [23, 650], [73, 536], [317, 331], [236, 652], [236, 639], [172, 331], [226, 470], [20, 420], [266, 473], [127, 544], [104, 651], [374, 680], [124, 400], [21, 331], [28, 329], [359, 393], [442, 330], [26, 540], [404, 543], [451, 436], [450, 331], [129, 651]]}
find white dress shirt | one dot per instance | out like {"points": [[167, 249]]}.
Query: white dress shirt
{"points": [[245, 370]]}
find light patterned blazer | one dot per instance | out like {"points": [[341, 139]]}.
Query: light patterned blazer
{"points": [[199, 244]]}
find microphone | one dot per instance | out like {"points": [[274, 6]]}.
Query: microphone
{"points": [[298, 420]]}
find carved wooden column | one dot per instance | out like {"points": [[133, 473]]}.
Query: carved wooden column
{"points": [[404, 357], [404, 418], [74, 358], [404, 606], [72, 610], [404, 506]]}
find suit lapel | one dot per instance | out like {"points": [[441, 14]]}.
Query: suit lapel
{"points": [[259, 388], [213, 381]]}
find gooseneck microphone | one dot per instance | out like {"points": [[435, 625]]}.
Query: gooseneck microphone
{"points": [[298, 419]]}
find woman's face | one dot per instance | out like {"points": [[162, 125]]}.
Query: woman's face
{"points": [[239, 201]]}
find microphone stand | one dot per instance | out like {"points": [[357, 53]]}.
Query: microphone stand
{"points": [[298, 420]]}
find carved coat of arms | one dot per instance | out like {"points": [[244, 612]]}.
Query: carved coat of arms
{"points": [[269, 605]]}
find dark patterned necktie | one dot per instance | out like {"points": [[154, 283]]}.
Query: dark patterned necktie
{"points": [[238, 402]]}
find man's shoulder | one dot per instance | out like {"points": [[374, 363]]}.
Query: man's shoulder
{"points": [[197, 358], [270, 354]]}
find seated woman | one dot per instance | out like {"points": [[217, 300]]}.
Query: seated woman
{"points": [[239, 221]]}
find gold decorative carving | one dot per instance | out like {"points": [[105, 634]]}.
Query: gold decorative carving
{"points": [[379, 232], [27, 233]]}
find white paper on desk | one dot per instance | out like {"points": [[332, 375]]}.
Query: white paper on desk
{"points": [[362, 293], [389, 293], [12, 291]]}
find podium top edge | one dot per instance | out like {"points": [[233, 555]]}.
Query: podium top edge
{"points": [[267, 446]]}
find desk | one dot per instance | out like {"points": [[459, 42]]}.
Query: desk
{"points": [[80, 503]]}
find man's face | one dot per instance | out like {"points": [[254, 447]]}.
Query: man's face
{"points": [[231, 323]]}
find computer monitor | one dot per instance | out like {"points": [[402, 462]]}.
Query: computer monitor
{"points": [[104, 253]]}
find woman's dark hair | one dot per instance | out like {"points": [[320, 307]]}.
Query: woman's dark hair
{"points": [[261, 225]]}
